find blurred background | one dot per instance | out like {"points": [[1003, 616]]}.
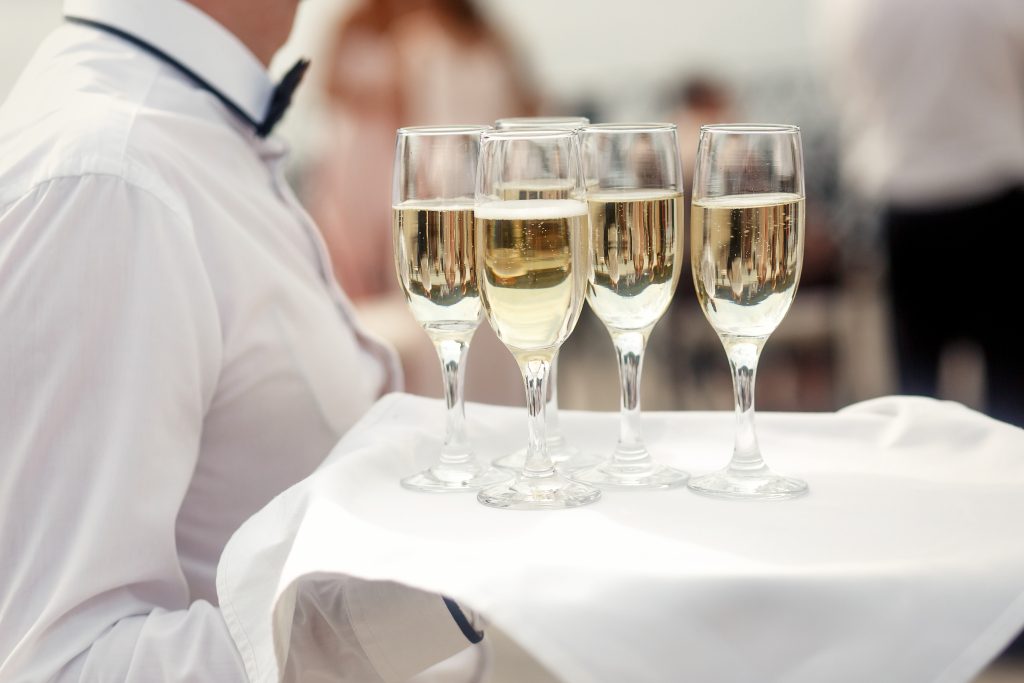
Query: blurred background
{"points": [[379, 64]]}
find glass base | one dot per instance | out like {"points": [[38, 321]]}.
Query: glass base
{"points": [[553, 492], [758, 485], [565, 457], [649, 475], [446, 480]]}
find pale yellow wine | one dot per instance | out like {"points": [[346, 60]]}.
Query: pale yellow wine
{"points": [[747, 251], [436, 263], [529, 259], [635, 253]]}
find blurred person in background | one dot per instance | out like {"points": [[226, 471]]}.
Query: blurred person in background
{"points": [[695, 369], [175, 352], [701, 100], [393, 63], [931, 102]]}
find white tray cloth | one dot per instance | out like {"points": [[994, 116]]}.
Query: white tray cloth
{"points": [[905, 562]]}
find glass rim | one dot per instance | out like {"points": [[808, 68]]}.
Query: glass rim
{"points": [[748, 128], [540, 121], [457, 129], [641, 127], [529, 133]]}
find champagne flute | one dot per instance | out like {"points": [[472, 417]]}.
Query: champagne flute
{"points": [[530, 256], [747, 240], [434, 180], [636, 249], [562, 453]]}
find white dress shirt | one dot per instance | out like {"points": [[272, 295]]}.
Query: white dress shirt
{"points": [[930, 96], [174, 352]]}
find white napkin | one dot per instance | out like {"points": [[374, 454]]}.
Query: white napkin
{"points": [[903, 563]]}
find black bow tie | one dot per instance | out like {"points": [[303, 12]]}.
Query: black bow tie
{"points": [[279, 102], [282, 97]]}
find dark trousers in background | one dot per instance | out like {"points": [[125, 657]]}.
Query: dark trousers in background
{"points": [[957, 273]]}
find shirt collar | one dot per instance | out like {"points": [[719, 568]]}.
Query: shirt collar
{"points": [[192, 38]]}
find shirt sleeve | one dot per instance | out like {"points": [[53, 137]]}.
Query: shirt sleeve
{"points": [[399, 631], [109, 353]]}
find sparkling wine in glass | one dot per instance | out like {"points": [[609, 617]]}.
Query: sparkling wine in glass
{"points": [[636, 250], [435, 257], [747, 241], [531, 266], [562, 453]]}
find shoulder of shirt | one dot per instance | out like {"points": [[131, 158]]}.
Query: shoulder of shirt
{"points": [[89, 104]]}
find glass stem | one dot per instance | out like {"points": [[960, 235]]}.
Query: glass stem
{"points": [[552, 409], [743, 355], [629, 347], [535, 375], [456, 451]]}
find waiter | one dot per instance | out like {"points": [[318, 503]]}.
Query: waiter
{"points": [[174, 352]]}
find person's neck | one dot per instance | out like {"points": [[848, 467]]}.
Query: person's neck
{"points": [[262, 25]]}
